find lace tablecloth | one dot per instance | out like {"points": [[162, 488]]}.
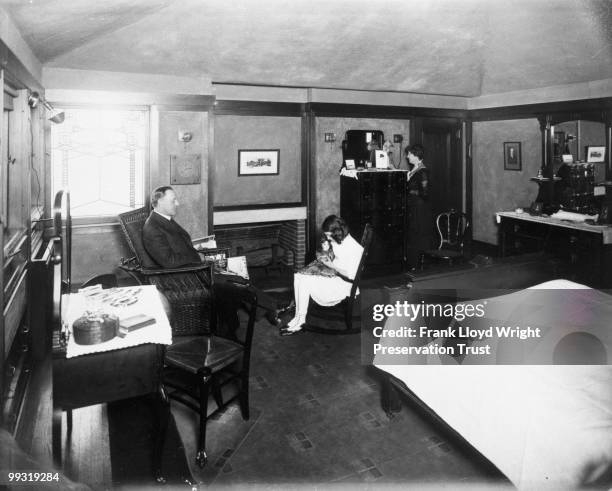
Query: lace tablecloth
{"points": [[145, 300]]}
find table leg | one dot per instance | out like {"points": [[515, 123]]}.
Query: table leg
{"points": [[204, 375], [161, 426], [56, 436], [391, 402], [502, 239]]}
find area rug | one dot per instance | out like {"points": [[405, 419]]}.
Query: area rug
{"points": [[131, 424]]}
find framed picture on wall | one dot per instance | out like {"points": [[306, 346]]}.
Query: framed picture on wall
{"points": [[596, 154], [258, 162], [512, 156]]}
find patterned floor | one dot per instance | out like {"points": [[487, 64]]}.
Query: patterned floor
{"points": [[316, 418]]}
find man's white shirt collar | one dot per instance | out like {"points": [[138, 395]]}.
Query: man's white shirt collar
{"points": [[167, 217]]}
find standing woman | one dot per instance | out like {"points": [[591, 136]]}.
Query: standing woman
{"points": [[420, 214]]}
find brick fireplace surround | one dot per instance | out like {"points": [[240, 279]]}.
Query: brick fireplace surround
{"points": [[253, 233]]}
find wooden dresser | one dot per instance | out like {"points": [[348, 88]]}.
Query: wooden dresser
{"points": [[379, 198], [26, 384]]}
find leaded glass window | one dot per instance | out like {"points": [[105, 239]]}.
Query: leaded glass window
{"points": [[99, 155]]}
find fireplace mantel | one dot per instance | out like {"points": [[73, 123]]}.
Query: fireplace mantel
{"points": [[259, 215]]}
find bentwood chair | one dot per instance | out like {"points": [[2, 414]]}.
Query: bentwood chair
{"points": [[340, 318], [199, 361], [453, 229]]}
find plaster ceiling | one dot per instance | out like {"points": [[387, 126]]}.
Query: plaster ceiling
{"points": [[453, 47]]}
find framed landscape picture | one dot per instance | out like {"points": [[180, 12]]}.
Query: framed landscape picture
{"points": [[512, 156], [258, 162]]}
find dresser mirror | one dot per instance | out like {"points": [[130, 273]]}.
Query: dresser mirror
{"points": [[566, 179], [358, 146], [573, 138]]}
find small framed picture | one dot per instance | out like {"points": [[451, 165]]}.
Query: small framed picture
{"points": [[512, 156], [350, 163], [258, 162], [595, 154]]}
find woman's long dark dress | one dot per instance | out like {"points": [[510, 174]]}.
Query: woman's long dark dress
{"points": [[420, 216]]}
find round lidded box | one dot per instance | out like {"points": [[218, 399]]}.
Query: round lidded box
{"points": [[95, 328]]}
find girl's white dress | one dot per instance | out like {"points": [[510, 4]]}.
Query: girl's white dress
{"points": [[325, 290]]}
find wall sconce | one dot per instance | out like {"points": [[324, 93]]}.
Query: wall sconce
{"points": [[185, 136], [33, 99], [57, 117]]}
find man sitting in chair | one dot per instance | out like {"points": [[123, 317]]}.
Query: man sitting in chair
{"points": [[166, 241], [170, 246]]}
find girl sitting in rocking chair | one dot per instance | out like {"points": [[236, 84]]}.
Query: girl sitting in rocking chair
{"points": [[325, 279]]}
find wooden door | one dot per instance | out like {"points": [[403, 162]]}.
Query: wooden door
{"points": [[441, 139]]}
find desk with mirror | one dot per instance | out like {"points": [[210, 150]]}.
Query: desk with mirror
{"points": [[569, 178], [568, 182]]}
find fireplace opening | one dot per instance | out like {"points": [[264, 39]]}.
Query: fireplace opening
{"points": [[269, 244]]}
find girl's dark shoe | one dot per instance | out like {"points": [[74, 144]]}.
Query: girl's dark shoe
{"points": [[286, 309]]}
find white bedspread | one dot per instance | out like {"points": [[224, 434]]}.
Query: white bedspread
{"points": [[542, 426]]}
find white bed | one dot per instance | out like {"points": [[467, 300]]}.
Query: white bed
{"points": [[542, 426]]}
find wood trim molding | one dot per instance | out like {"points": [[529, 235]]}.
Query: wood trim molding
{"points": [[468, 184], [258, 108], [167, 101], [608, 150], [16, 72], [265, 206], [212, 175], [591, 109], [305, 156], [310, 149], [323, 109]]}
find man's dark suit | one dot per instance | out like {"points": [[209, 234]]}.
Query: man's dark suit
{"points": [[167, 242], [169, 245]]}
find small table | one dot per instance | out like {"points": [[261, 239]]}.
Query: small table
{"points": [[86, 379]]}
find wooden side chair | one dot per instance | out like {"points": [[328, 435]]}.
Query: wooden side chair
{"points": [[453, 229], [340, 318], [199, 361], [198, 364]]}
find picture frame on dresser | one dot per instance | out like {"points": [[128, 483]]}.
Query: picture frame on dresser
{"points": [[264, 162], [512, 156]]}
